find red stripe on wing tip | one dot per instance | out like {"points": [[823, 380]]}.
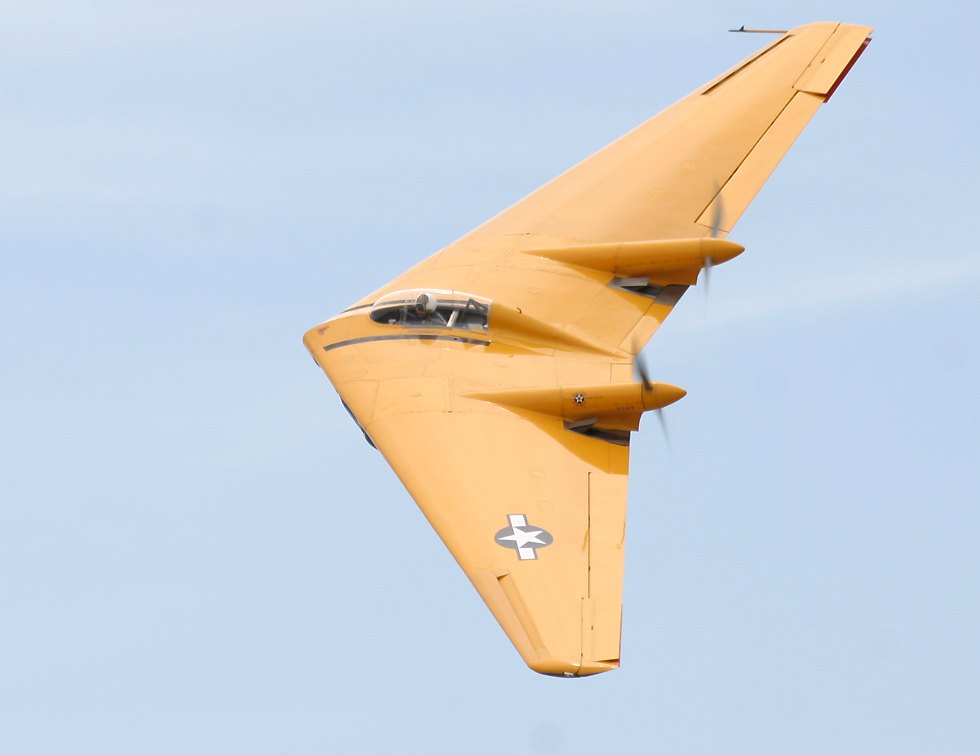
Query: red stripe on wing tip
{"points": [[847, 69]]}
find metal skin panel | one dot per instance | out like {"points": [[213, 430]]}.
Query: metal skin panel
{"points": [[511, 431], [607, 541], [739, 191]]}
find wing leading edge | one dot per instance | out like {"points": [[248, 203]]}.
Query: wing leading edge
{"points": [[506, 410]]}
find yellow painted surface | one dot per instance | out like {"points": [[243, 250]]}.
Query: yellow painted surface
{"points": [[509, 426]]}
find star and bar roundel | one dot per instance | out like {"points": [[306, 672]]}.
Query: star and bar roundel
{"points": [[523, 537]]}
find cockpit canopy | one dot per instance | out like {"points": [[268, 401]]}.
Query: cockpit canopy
{"points": [[432, 308]]}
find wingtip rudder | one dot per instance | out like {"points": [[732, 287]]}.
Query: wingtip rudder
{"points": [[849, 66], [840, 48]]}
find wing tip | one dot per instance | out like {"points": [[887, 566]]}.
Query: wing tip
{"points": [[568, 670], [834, 60], [847, 68]]}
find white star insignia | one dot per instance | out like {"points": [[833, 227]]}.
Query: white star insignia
{"points": [[523, 537]]}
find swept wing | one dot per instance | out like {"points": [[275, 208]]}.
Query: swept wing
{"points": [[496, 376]]}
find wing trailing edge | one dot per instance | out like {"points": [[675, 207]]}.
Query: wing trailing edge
{"points": [[814, 86]]}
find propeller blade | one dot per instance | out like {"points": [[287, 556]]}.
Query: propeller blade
{"points": [[663, 427], [641, 370], [640, 367], [717, 218]]}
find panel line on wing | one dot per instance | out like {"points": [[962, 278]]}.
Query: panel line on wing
{"points": [[732, 74], [588, 533], [726, 220]]}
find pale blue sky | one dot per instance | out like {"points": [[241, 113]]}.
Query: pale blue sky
{"points": [[199, 553]]}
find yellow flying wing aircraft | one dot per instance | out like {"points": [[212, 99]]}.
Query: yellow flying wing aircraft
{"points": [[497, 376]]}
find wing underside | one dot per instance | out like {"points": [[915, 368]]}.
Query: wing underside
{"points": [[659, 180], [538, 528]]}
